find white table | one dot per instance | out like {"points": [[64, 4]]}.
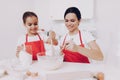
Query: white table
{"points": [[69, 71]]}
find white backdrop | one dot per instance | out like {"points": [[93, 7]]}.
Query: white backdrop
{"points": [[106, 17], [11, 24]]}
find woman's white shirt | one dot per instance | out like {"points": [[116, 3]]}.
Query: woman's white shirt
{"points": [[86, 38]]}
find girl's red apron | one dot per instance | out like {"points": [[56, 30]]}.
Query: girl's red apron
{"points": [[35, 47], [75, 56]]}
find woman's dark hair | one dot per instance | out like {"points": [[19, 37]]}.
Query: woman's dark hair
{"points": [[28, 14], [74, 10]]}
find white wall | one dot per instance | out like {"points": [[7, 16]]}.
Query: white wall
{"points": [[11, 24], [106, 21], [108, 27]]}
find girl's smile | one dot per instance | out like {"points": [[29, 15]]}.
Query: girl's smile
{"points": [[32, 25]]}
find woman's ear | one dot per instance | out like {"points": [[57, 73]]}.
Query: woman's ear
{"points": [[79, 22]]}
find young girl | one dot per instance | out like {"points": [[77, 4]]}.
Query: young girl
{"points": [[32, 40]]}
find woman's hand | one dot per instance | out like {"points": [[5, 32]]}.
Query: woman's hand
{"points": [[70, 45]]}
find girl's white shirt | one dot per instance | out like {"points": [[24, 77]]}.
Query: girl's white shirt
{"points": [[44, 37], [86, 38], [22, 38]]}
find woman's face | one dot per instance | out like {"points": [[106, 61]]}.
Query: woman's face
{"points": [[71, 22], [31, 25]]}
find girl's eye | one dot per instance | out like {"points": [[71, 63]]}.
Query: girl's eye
{"points": [[29, 24], [33, 24], [36, 24]]}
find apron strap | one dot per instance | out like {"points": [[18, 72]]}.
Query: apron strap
{"points": [[81, 39], [79, 36], [64, 40], [27, 37]]}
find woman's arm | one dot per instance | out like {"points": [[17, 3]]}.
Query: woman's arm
{"points": [[93, 52]]}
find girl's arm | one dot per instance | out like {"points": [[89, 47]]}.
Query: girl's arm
{"points": [[19, 48], [52, 38]]}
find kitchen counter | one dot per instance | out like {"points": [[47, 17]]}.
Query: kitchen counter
{"points": [[68, 71]]}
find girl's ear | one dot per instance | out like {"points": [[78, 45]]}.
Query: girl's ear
{"points": [[24, 24]]}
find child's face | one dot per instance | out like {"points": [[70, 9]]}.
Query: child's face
{"points": [[31, 25]]}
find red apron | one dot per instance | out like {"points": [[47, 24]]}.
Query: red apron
{"points": [[35, 47], [75, 56]]}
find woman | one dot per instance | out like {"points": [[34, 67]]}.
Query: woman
{"points": [[77, 45]]}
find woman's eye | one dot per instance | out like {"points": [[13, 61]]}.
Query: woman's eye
{"points": [[66, 20], [72, 20]]}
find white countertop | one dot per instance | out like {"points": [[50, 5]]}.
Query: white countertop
{"points": [[68, 71]]}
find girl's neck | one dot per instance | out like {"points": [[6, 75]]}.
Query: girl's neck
{"points": [[29, 34], [74, 32]]}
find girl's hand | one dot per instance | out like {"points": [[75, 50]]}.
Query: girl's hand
{"points": [[19, 48], [51, 39], [52, 34]]}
